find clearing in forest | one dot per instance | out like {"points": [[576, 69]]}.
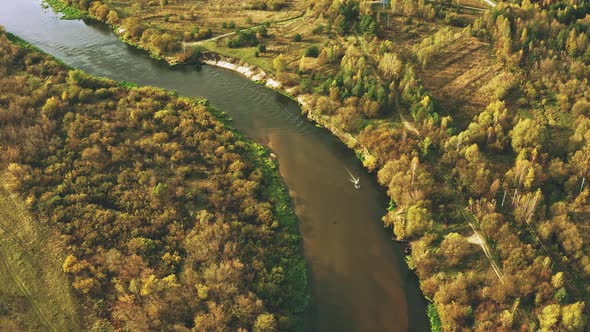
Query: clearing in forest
{"points": [[463, 78]]}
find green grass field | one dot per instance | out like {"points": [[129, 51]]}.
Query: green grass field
{"points": [[246, 54], [34, 292]]}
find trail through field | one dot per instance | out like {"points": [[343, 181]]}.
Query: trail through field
{"points": [[484, 245], [491, 3], [474, 239], [408, 124], [30, 268], [4, 230], [198, 42], [25, 291], [486, 250]]}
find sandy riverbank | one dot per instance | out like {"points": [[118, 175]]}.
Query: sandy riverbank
{"points": [[260, 76]]}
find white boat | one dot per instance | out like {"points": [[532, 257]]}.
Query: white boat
{"points": [[354, 180]]}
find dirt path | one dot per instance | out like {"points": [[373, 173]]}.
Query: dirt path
{"points": [[25, 291], [486, 250], [198, 42], [474, 239], [4, 229], [407, 124], [484, 245], [477, 9], [30, 268], [491, 3]]}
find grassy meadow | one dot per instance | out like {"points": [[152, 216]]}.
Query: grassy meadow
{"points": [[35, 294]]}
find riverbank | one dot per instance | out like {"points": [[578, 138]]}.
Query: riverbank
{"points": [[469, 108], [285, 297], [69, 12], [296, 273], [258, 75], [249, 71], [261, 77]]}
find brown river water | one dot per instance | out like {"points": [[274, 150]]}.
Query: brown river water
{"points": [[357, 275]]}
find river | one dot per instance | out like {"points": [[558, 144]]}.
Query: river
{"points": [[358, 278]]}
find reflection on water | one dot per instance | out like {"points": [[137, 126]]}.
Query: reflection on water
{"points": [[357, 276]]}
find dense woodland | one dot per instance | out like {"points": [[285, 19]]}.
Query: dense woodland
{"points": [[507, 166], [515, 173], [171, 220]]}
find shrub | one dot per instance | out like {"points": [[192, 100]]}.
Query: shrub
{"points": [[318, 29], [243, 38], [368, 25], [312, 51], [276, 5], [279, 63], [256, 5], [435, 323], [305, 85], [297, 37], [263, 31]]}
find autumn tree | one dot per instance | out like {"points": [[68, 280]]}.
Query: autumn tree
{"points": [[265, 323], [573, 317], [279, 63], [390, 66], [528, 134], [454, 248], [549, 317]]}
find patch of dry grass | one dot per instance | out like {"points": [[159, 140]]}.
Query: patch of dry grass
{"points": [[279, 41], [464, 77], [180, 16], [35, 294], [473, 3]]}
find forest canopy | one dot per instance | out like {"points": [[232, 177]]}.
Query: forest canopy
{"points": [[171, 220], [476, 121]]}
